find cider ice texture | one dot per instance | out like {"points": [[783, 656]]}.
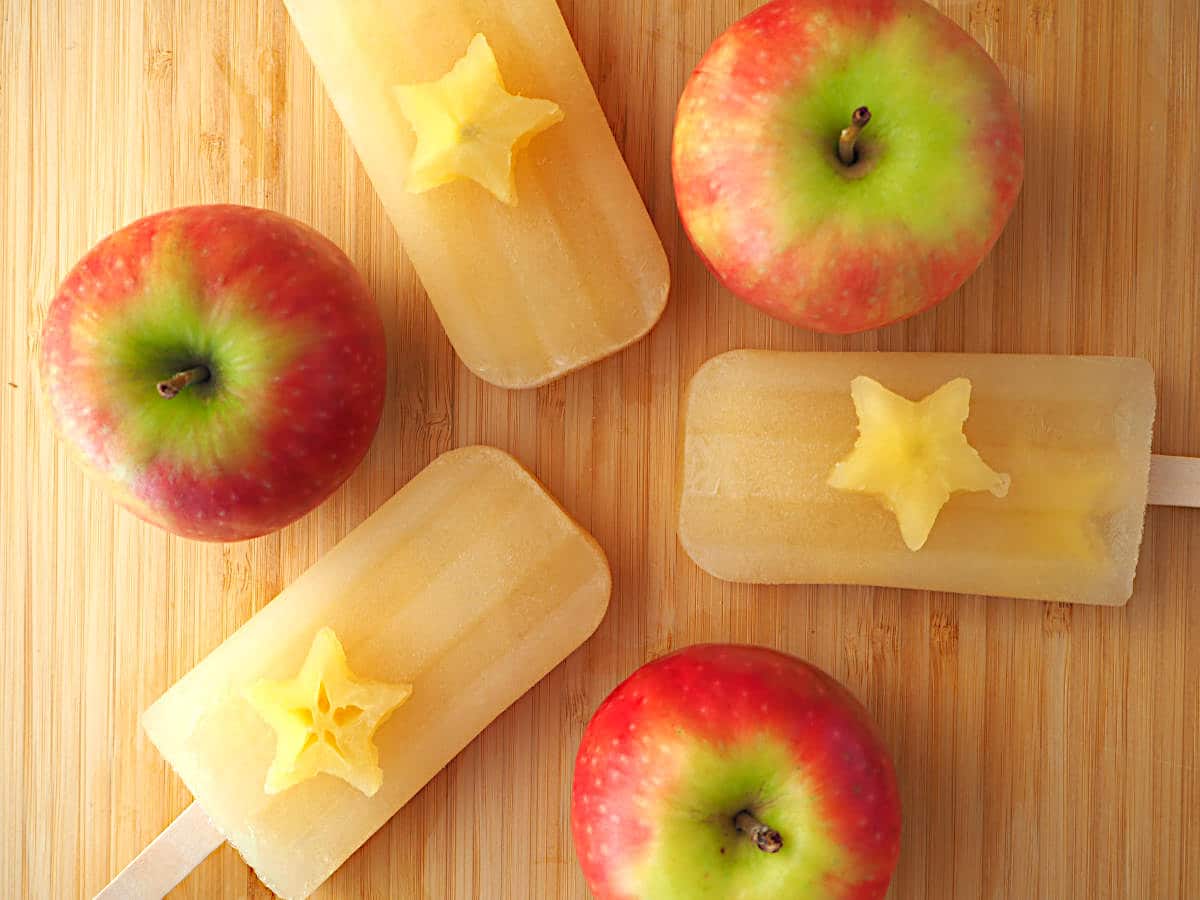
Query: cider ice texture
{"points": [[567, 270], [464, 589], [765, 432]]}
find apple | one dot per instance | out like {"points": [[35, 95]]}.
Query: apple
{"points": [[843, 164], [734, 773], [222, 369]]}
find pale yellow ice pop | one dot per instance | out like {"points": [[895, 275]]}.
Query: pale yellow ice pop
{"points": [[408, 638], [484, 139], [1020, 476]]}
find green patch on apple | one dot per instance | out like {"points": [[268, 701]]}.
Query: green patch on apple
{"points": [[698, 850], [208, 424], [914, 170]]}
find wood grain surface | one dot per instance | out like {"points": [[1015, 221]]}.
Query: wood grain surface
{"points": [[1043, 750]]}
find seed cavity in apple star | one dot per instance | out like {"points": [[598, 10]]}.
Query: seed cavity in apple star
{"points": [[842, 166]]}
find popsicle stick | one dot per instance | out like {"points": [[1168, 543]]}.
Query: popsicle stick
{"points": [[167, 859], [1174, 481]]}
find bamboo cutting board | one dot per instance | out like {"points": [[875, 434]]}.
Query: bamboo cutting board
{"points": [[1043, 750]]}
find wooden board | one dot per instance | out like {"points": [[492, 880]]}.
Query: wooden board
{"points": [[1043, 751]]}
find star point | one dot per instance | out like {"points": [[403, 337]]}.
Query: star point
{"points": [[325, 719], [469, 126], [913, 455]]}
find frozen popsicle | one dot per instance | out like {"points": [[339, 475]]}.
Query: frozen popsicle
{"points": [[310, 726], [1019, 476], [484, 139]]}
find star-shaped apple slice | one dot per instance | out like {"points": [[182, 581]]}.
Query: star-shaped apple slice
{"points": [[469, 126], [325, 719], [913, 455]]}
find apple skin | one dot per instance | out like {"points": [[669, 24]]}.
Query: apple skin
{"points": [[790, 229], [298, 363], [692, 739]]}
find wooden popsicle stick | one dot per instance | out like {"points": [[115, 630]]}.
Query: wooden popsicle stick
{"points": [[1174, 481], [167, 859]]}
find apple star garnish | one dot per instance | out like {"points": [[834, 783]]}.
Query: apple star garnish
{"points": [[913, 455], [325, 718], [469, 126]]}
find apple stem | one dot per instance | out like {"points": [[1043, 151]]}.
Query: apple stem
{"points": [[177, 382], [849, 136], [766, 839]]}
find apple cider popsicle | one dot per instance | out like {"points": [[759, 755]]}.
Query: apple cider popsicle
{"points": [[1018, 476], [480, 131], [310, 726]]}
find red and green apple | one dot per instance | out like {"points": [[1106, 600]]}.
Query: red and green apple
{"points": [[730, 772], [842, 164], [221, 368]]}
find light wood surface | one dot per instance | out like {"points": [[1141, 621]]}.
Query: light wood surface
{"points": [[1043, 751]]}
